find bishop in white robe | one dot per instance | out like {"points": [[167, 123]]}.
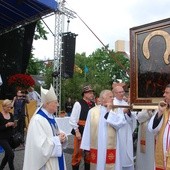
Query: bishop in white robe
{"points": [[45, 141]]}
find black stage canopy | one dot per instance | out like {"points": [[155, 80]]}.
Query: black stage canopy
{"points": [[18, 19], [15, 13]]}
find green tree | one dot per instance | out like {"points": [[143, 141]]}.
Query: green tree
{"points": [[40, 32], [103, 70]]}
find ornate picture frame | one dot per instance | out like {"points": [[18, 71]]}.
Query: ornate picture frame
{"points": [[150, 62]]}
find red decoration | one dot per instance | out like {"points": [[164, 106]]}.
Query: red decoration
{"points": [[21, 80], [110, 156], [93, 155]]}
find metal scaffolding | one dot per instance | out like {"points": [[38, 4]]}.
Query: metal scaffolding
{"points": [[59, 30]]}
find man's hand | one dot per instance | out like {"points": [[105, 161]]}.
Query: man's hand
{"points": [[125, 110], [9, 124], [62, 137], [78, 134], [109, 106], [162, 106]]}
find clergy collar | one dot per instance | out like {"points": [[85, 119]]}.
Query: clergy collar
{"points": [[118, 99], [48, 114]]}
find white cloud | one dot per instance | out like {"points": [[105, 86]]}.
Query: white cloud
{"points": [[110, 20]]}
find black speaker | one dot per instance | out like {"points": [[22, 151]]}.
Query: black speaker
{"points": [[68, 54]]}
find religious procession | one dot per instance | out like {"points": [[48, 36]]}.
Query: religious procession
{"points": [[103, 132], [109, 110]]}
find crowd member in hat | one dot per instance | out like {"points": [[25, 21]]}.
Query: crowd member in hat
{"points": [[44, 142], [6, 130], [77, 121]]}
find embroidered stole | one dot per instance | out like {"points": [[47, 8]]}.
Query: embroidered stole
{"points": [[55, 130], [111, 141], [143, 137], [159, 153]]}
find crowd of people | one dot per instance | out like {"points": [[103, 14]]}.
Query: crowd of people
{"points": [[107, 136], [102, 127], [12, 121]]}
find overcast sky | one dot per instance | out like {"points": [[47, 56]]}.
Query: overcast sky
{"points": [[110, 20]]}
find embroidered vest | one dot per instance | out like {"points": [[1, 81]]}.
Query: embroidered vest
{"points": [[85, 107], [111, 141]]}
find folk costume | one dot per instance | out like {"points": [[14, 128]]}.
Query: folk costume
{"points": [[77, 121], [100, 138], [43, 150], [145, 145], [161, 128], [124, 137]]}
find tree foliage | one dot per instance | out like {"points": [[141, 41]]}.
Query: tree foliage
{"points": [[40, 32], [103, 70], [100, 69]]}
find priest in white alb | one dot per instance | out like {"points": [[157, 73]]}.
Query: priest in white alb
{"points": [[100, 134], [45, 141], [145, 145], [160, 126], [124, 139]]}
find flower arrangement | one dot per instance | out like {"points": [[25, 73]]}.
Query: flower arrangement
{"points": [[21, 80]]}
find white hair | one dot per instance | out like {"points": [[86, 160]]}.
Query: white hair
{"points": [[103, 93]]}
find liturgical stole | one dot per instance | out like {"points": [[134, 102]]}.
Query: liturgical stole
{"points": [[143, 137], [159, 155], [111, 141], [53, 125]]}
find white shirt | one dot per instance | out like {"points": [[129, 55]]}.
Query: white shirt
{"points": [[75, 114], [35, 96]]}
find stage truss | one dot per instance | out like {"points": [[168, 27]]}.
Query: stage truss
{"points": [[59, 30]]}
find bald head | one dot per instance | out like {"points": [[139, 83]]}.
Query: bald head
{"points": [[119, 92]]}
